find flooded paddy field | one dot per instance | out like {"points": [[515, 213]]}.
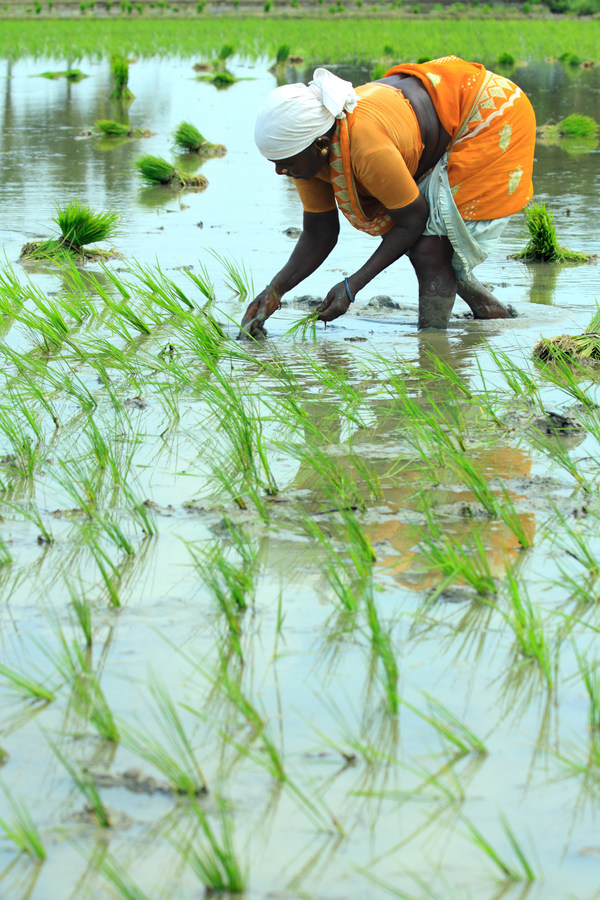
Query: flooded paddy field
{"points": [[314, 618]]}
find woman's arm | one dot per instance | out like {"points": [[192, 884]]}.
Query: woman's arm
{"points": [[409, 223], [319, 237]]}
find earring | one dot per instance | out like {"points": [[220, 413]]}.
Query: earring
{"points": [[324, 151], [284, 171]]}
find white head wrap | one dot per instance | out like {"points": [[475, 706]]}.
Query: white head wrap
{"points": [[295, 115]]}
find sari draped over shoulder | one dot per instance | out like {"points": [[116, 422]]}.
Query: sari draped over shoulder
{"points": [[490, 155]]}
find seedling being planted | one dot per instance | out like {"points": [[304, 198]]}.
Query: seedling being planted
{"points": [[543, 244], [155, 170], [79, 225], [187, 137]]}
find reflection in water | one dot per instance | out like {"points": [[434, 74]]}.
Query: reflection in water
{"points": [[543, 281]]}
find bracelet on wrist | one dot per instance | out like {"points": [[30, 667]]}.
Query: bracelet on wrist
{"points": [[348, 291]]}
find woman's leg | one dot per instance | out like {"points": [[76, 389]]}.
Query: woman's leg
{"points": [[482, 302], [432, 260]]}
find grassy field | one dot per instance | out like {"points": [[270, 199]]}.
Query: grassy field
{"points": [[332, 39]]}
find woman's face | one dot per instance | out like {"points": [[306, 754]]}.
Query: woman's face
{"points": [[306, 164]]}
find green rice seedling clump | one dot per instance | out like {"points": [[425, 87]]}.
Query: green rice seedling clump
{"points": [[543, 244], [119, 67], [282, 54], [584, 346], [80, 225], [187, 137], [155, 169], [577, 125], [111, 128]]}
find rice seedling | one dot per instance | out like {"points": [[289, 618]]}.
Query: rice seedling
{"points": [[543, 243], [232, 586], [525, 872], [213, 859], [119, 877], [21, 829], [25, 686], [119, 67], [448, 726], [187, 137], [202, 281], [85, 782], [236, 277], [87, 696], [156, 170], [307, 323], [82, 611], [528, 627], [590, 675], [450, 557], [79, 226], [176, 758], [381, 643], [474, 478]]}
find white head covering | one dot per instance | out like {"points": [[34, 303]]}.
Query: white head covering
{"points": [[295, 115]]}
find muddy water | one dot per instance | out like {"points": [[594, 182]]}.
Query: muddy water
{"points": [[403, 796]]}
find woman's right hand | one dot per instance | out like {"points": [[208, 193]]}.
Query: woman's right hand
{"points": [[257, 313]]}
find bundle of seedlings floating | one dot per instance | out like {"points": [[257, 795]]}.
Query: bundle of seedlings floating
{"points": [[119, 66], [155, 171], [543, 245], [79, 226], [187, 137], [70, 75], [110, 128], [580, 348], [575, 133]]}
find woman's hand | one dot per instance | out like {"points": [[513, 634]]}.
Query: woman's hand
{"points": [[335, 304], [263, 306]]}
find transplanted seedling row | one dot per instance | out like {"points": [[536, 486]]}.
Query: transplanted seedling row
{"points": [[388, 481]]}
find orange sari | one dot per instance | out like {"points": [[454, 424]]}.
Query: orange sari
{"points": [[492, 139]]}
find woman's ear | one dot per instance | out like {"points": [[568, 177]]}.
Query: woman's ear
{"points": [[322, 144]]}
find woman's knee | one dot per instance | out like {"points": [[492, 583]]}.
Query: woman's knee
{"points": [[430, 252]]}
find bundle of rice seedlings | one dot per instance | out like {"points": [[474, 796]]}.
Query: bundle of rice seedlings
{"points": [[187, 137], [579, 347], [226, 51], [543, 244], [111, 128], [155, 170], [283, 52], [119, 67], [577, 125], [79, 225], [223, 79]]}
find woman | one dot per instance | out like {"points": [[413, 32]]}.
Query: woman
{"points": [[433, 158]]}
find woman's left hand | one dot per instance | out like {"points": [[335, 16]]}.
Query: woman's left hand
{"points": [[335, 304]]}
